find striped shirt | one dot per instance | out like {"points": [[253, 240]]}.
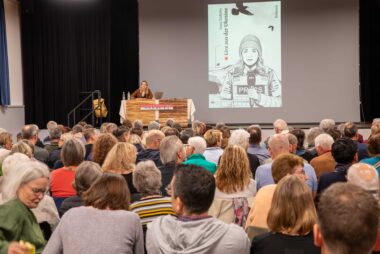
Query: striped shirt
{"points": [[152, 208]]}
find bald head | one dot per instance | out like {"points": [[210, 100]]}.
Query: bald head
{"points": [[278, 144], [365, 176], [153, 139], [280, 125]]}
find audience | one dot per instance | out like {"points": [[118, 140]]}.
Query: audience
{"points": [[240, 137], [290, 220], [102, 225], [152, 140], [30, 133], [121, 160], [151, 205], [23, 191], [348, 221], [344, 151], [365, 176], [279, 144], [86, 173], [325, 162], [102, 146], [374, 151], [285, 164], [171, 153], [49, 126], [72, 155], [213, 150], [351, 131], [199, 216], [197, 147], [194, 231], [254, 144], [235, 187]]}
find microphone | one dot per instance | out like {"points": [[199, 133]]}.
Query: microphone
{"points": [[251, 82]]}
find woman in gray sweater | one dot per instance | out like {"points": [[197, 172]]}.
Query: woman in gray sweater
{"points": [[101, 226]]}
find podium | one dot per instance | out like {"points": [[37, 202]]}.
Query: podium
{"points": [[147, 110]]}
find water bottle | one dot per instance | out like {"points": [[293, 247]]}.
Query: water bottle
{"points": [[123, 96], [129, 95]]}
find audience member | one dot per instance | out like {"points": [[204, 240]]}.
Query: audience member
{"points": [[24, 190], [127, 123], [226, 135], [23, 147], [344, 151], [284, 164], [30, 133], [311, 135], [49, 126], [103, 225], [6, 141], [235, 187], [279, 144], [171, 153], [365, 176], [351, 131], [326, 124], [325, 162], [152, 152], [192, 194], [171, 132], [90, 136], [374, 151], [121, 160], [72, 155], [153, 125], [280, 125], [293, 143], [334, 133], [291, 219], [86, 174], [177, 126], [151, 205], [199, 128], [54, 160], [121, 133], [186, 134], [301, 151], [254, 144], [197, 146], [137, 142], [213, 150], [54, 135], [348, 221], [102, 146], [240, 137]]}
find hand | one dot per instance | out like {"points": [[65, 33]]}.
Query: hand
{"points": [[16, 248], [252, 93]]}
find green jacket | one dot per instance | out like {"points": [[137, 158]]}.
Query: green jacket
{"points": [[17, 222], [199, 160]]}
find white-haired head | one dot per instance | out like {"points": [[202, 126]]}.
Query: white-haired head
{"points": [[280, 125], [10, 163], [326, 124], [278, 144], [239, 137], [323, 143], [199, 144], [22, 173], [365, 176]]}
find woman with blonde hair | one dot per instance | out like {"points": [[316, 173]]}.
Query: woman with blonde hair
{"points": [[214, 140], [291, 219], [235, 187], [121, 160]]}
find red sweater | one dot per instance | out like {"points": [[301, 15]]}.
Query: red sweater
{"points": [[61, 183]]}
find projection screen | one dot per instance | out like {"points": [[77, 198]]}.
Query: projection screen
{"points": [[255, 61]]}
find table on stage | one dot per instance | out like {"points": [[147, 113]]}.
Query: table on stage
{"points": [[147, 110]]}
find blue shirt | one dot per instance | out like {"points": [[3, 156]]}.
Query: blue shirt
{"points": [[264, 176], [260, 152], [373, 161]]}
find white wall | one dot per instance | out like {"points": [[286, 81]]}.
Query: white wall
{"points": [[13, 117]]}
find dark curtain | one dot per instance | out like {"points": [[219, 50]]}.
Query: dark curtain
{"points": [[66, 50], [124, 52], [369, 59], [4, 73]]}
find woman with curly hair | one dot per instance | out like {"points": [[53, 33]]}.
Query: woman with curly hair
{"points": [[102, 146], [121, 160], [235, 187]]}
